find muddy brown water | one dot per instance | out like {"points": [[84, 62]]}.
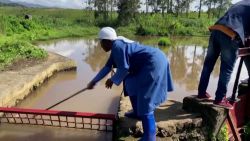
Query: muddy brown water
{"points": [[89, 59], [186, 60]]}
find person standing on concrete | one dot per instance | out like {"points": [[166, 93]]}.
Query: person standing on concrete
{"points": [[227, 35], [145, 72]]}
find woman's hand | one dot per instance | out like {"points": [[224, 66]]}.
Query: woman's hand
{"points": [[109, 84], [90, 85]]}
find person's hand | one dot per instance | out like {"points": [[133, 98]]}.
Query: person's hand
{"points": [[90, 85], [109, 84]]}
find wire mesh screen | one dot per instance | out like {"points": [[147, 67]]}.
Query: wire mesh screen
{"points": [[93, 121]]}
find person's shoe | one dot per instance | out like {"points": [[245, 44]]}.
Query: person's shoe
{"points": [[205, 96], [224, 103], [131, 114]]}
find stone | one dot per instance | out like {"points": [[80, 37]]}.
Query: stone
{"points": [[213, 117]]}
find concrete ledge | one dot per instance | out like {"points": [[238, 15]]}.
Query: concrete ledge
{"points": [[212, 116], [173, 123], [17, 84]]}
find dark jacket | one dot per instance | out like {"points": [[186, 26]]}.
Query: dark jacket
{"points": [[238, 19]]}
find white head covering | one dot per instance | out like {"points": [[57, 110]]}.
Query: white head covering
{"points": [[107, 33], [110, 34]]}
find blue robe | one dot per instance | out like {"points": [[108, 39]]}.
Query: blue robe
{"points": [[145, 71]]}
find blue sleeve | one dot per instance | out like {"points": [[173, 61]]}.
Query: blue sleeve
{"points": [[120, 57], [104, 71], [118, 77]]}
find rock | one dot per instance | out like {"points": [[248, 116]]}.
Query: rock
{"points": [[213, 117]]}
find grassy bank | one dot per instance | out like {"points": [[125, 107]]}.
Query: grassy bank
{"points": [[47, 24], [15, 50], [17, 33]]}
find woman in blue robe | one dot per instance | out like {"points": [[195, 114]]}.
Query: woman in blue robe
{"points": [[145, 72]]}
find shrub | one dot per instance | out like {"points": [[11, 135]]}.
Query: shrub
{"points": [[164, 41], [14, 50], [247, 130], [223, 134]]}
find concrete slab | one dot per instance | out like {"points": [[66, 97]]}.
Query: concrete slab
{"points": [[17, 84]]}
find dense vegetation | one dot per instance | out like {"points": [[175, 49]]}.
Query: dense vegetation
{"points": [[247, 131], [17, 33], [15, 50], [168, 17], [57, 23]]}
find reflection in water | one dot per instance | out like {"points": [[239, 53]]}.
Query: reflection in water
{"points": [[186, 62], [89, 59]]}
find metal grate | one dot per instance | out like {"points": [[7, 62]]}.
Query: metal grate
{"points": [[93, 121]]}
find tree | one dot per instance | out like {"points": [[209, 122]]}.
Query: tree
{"points": [[216, 7], [163, 6], [200, 5], [170, 6], [127, 10], [223, 6], [179, 7], [147, 3], [158, 5], [155, 4], [187, 6], [209, 7], [112, 4], [103, 8]]}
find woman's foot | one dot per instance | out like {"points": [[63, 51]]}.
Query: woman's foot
{"points": [[149, 128]]}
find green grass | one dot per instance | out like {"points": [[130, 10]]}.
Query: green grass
{"points": [[247, 130], [17, 33], [11, 51], [223, 134], [171, 25], [164, 41], [49, 23]]}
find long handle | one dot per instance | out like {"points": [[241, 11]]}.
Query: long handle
{"points": [[67, 98]]}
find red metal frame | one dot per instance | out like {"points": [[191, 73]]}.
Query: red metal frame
{"points": [[93, 121], [236, 117]]}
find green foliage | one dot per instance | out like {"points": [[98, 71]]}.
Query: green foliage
{"points": [[164, 41], [170, 25], [45, 24], [223, 134], [13, 50], [127, 31], [247, 130], [2, 25], [58, 23], [127, 11]]}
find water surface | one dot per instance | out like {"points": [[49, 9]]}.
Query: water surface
{"points": [[186, 58]]}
